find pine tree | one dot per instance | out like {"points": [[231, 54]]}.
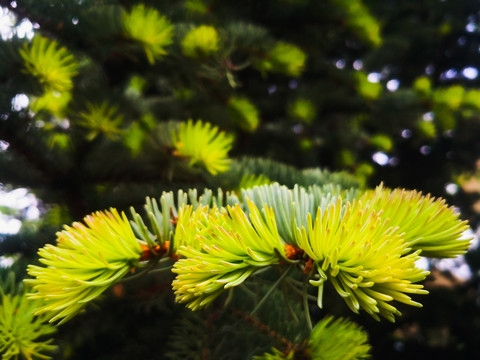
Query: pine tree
{"points": [[249, 128]]}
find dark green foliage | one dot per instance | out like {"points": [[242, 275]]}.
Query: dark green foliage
{"points": [[287, 175]]}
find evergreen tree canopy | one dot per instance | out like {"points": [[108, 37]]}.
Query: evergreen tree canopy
{"points": [[294, 156]]}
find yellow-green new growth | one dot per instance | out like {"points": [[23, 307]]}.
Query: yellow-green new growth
{"points": [[284, 58], [52, 65], [338, 339], [428, 223], [21, 331], [232, 248], [53, 102], [191, 226], [276, 355], [302, 110], [365, 88], [363, 256], [101, 119], [244, 113], [152, 30], [203, 144], [87, 260], [288, 59], [249, 181], [359, 19], [200, 42], [331, 339]]}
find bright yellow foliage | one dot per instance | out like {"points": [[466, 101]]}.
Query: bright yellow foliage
{"points": [[203, 144]]}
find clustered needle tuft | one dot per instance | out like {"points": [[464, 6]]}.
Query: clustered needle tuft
{"points": [[366, 245]]}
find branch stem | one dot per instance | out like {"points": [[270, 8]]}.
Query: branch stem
{"points": [[270, 291]]}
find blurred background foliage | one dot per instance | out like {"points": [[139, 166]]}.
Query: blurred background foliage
{"points": [[91, 92]]}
